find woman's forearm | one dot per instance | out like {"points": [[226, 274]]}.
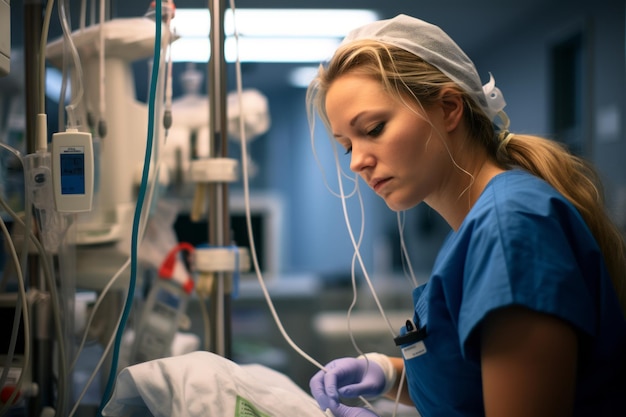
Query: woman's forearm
{"points": [[398, 364]]}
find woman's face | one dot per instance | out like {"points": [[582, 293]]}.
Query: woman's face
{"points": [[395, 149]]}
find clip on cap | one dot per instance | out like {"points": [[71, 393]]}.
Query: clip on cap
{"points": [[412, 334]]}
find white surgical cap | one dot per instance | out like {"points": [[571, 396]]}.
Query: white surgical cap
{"points": [[434, 46]]}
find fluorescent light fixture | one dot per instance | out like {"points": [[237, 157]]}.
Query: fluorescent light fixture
{"points": [[257, 49], [191, 50], [268, 35], [280, 50], [313, 23]]}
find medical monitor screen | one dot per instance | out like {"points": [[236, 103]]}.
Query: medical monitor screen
{"points": [[73, 173]]}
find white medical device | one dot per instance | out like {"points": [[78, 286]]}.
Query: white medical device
{"points": [[101, 234], [162, 312], [121, 153], [72, 171]]}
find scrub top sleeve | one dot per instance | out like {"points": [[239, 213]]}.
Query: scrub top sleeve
{"points": [[522, 259]]}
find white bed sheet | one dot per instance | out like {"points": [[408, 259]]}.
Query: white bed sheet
{"points": [[201, 384]]}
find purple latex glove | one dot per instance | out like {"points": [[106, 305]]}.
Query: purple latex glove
{"points": [[342, 410], [348, 378]]}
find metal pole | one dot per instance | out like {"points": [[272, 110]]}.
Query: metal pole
{"points": [[218, 213], [42, 340]]}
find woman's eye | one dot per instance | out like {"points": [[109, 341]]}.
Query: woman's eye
{"points": [[377, 130], [348, 150]]}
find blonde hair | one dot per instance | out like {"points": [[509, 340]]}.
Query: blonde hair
{"points": [[403, 75]]}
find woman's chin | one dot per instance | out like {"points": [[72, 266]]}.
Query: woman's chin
{"points": [[399, 205]]}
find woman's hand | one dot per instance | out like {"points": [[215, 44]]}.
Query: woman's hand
{"points": [[347, 378], [343, 410]]}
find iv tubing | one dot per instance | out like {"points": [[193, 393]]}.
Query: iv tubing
{"points": [[72, 108], [356, 247], [138, 209], [405, 254]]}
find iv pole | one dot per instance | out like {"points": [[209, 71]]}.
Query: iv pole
{"points": [[218, 212], [42, 341]]}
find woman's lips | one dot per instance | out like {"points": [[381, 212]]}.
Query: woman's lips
{"points": [[377, 184]]}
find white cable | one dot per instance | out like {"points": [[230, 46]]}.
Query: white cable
{"points": [[399, 392], [48, 274], [20, 267], [354, 243], [353, 276], [357, 256], [50, 282], [405, 254], [96, 369], [246, 194], [246, 186], [41, 146], [18, 309], [25, 313], [249, 224], [320, 166], [41, 132], [11, 149], [99, 301]]}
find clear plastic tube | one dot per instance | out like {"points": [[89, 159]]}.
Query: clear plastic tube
{"points": [[73, 117]]}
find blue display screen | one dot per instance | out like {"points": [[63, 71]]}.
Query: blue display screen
{"points": [[167, 298], [72, 173]]}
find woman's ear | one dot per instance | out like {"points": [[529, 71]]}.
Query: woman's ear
{"points": [[452, 104]]}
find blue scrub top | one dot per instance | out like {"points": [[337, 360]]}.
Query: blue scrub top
{"points": [[521, 244]]}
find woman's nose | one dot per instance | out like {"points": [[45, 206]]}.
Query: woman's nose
{"points": [[360, 159]]}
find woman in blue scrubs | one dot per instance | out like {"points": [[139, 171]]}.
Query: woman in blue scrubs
{"points": [[524, 312]]}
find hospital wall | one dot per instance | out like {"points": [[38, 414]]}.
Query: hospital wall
{"points": [[520, 60]]}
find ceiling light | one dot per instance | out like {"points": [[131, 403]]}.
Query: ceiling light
{"points": [[267, 35], [257, 50]]}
